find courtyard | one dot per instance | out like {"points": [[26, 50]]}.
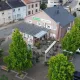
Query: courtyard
{"points": [[39, 70]]}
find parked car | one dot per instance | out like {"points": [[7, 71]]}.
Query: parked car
{"points": [[76, 75], [78, 50]]}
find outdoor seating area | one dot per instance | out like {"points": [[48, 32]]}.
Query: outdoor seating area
{"points": [[43, 43], [4, 68]]}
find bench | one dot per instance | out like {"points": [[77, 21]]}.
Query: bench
{"points": [[4, 68]]}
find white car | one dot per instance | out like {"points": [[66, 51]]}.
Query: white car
{"points": [[78, 50]]}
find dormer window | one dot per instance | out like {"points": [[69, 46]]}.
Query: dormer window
{"points": [[18, 9], [3, 13]]}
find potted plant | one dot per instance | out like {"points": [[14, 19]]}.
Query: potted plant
{"points": [[37, 44]]}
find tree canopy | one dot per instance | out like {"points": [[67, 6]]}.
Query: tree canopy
{"points": [[71, 41], [19, 57], [43, 6], [60, 68]]}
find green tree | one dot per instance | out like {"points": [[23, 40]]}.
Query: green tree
{"points": [[77, 22], [3, 77], [43, 6], [71, 41], [60, 68], [19, 57]]}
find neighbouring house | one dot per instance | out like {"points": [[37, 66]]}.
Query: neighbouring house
{"points": [[32, 33], [52, 3], [19, 9], [5, 13], [75, 5], [44, 1], [57, 19], [33, 6]]}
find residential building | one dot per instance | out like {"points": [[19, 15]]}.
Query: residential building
{"points": [[32, 33], [19, 9], [44, 1], [75, 5], [33, 6], [57, 19], [5, 13], [52, 3]]}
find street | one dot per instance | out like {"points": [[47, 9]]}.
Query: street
{"points": [[7, 30]]}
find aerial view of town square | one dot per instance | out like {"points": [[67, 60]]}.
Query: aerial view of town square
{"points": [[39, 39]]}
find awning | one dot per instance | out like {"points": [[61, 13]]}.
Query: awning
{"points": [[40, 34]]}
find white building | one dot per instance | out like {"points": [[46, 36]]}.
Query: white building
{"points": [[5, 13], [52, 3], [75, 5], [19, 9], [33, 6]]}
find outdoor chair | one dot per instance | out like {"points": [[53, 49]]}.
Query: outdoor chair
{"points": [[4, 68]]}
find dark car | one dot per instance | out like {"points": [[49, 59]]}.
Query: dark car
{"points": [[76, 75]]}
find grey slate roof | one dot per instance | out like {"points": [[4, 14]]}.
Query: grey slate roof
{"points": [[30, 28], [4, 6], [16, 3], [59, 14]]}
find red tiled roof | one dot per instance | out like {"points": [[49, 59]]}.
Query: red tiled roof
{"points": [[30, 1]]}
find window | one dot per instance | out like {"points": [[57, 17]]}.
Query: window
{"points": [[36, 10], [36, 5], [18, 9], [32, 5], [28, 6], [68, 29], [9, 17], [18, 15], [2, 13], [30, 21], [13, 10], [29, 12], [48, 26], [38, 23]]}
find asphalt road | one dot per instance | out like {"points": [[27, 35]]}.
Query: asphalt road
{"points": [[7, 30]]}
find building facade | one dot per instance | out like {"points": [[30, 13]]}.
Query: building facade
{"points": [[52, 3], [5, 13], [57, 23], [32, 6], [19, 10]]}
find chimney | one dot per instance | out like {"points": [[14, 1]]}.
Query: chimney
{"points": [[57, 10]]}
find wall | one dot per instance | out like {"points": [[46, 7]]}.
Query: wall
{"points": [[66, 29], [33, 9], [19, 13], [6, 16], [52, 3], [45, 21], [28, 38]]}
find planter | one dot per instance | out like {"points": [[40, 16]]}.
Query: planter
{"points": [[22, 75]]}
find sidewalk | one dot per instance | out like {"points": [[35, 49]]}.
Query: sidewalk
{"points": [[9, 25]]}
